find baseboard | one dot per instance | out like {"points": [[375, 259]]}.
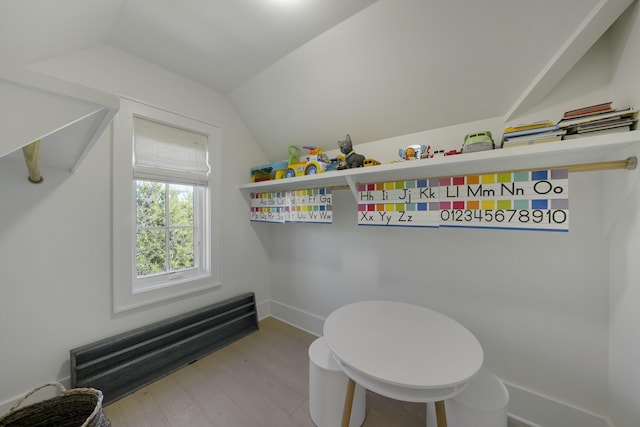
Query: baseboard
{"points": [[526, 408], [263, 308], [301, 319], [541, 411]]}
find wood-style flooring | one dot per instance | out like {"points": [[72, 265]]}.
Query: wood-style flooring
{"points": [[261, 380]]}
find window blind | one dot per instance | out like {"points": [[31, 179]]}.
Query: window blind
{"points": [[167, 153]]}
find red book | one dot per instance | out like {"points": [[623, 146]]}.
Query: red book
{"points": [[591, 109]]}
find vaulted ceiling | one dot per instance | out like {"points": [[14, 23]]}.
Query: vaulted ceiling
{"points": [[307, 72]]}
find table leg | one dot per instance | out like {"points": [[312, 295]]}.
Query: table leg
{"points": [[348, 403], [441, 415]]}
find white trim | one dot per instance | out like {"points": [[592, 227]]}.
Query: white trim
{"points": [[264, 309], [541, 410], [202, 244], [301, 319], [123, 244]]}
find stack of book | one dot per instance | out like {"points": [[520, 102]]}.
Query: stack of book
{"points": [[597, 119], [531, 133]]}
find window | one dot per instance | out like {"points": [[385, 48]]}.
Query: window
{"points": [[165, 228], [167, 237], [170, 173]]}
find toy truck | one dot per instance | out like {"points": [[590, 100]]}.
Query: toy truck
{"points": [[478, 141], [317, 162]]}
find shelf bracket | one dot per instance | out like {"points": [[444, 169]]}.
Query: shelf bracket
{"points": [[353, 186]]}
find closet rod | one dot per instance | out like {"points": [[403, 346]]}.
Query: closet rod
{"points": [[629, 163]]}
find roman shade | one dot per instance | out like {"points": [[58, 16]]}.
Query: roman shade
{"points": [[168, 153]]}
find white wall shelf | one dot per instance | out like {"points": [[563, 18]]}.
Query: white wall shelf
{"points": [[576, 151], [68, 118]]}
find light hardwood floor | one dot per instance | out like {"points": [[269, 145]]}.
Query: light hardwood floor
{"points": [[261, 380]]}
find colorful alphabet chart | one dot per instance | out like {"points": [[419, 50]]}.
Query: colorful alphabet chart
{"points": [[525, 200], [268, 207], [531, 200], [308, 205], [413, 203]]}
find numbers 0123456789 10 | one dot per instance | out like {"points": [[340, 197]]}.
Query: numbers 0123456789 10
{"points": [[520, 216]]}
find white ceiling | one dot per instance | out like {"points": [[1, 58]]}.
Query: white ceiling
{"points": [[307, 72], [220, 43]]}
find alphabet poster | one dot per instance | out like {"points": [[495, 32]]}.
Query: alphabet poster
{"points": [[268, 207], [308, 205], [529, 200]]}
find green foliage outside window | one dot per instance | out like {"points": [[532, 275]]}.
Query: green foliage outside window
{"points": [[165, 231]]}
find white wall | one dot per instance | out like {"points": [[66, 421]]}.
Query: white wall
{"points": [[55, 237], [538, 302], [622, 219]]}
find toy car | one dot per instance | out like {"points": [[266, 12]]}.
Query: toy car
{"points": [[413, 152], [478, 141], [452, 152], [371, 162], [317, 162]]}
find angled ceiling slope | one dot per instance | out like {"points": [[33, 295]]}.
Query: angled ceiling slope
{"points": [[66, 117], [394, 70], [601, 17]]}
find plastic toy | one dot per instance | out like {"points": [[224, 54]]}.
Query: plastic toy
{"points": [[317, 162], [370, 162], [413, 152], [353, 159], [453, 152], [478, 141], [268, 171]]}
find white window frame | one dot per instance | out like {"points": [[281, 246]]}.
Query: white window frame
{"points": [[202, 268], [127, 294]]}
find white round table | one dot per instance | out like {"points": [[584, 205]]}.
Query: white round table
{"points": [[402, 351]]}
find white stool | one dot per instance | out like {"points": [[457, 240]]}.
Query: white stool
{"points": [[328, 388], [482, 404]]}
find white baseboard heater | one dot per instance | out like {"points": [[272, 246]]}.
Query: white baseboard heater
{"points": [[124, 363]]}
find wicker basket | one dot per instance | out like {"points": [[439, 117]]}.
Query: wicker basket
{"points": [[77, 407]]}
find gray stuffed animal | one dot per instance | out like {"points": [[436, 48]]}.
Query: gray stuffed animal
{"points": [[353, 159]]}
